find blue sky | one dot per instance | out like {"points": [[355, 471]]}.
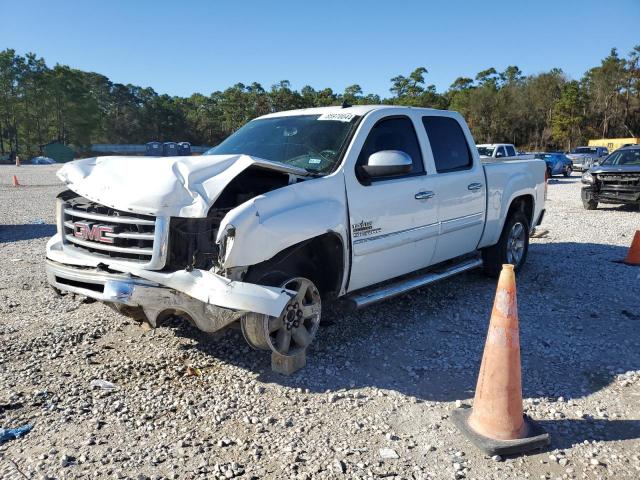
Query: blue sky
{"points": [[181, 47]]}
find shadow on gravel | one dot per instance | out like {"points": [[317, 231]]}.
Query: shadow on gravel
{"points": [[565, 433], [428, 344], [16, 233], [563, 180]]}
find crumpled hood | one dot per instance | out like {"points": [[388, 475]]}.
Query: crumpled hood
{"points": [[167, 186]]}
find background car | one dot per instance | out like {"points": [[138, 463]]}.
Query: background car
{"points": [[557, 163], [42, 161], [583, 158]]}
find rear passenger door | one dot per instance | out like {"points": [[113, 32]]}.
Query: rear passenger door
{"points": [[461, 187]]}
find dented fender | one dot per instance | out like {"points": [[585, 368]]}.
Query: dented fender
{"points": [[266, 225]]}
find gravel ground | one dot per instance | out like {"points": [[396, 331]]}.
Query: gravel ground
{"points": [[375, 397]]}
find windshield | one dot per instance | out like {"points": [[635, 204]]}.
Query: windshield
{"points": [[585, 150], [312, 142], [624, 157], [486, 151]]}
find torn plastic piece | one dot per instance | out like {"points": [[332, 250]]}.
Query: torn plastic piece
{"points": [[102, 384], [7, 434]]}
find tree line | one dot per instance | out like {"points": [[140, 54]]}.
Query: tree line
{"points": [[40, 104]]}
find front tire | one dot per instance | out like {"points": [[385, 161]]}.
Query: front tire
{"points": [[568, 172], [589, 204], [295, 328], [512, 247]]}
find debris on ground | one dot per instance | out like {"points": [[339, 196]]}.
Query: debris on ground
{"points": [[7, 434]]}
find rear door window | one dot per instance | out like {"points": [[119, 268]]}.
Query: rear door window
{"points": [[449, 145], [511, 152]]}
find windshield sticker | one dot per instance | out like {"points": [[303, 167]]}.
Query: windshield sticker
{"points": [[338, 117], [364, 229], [315, 160]]}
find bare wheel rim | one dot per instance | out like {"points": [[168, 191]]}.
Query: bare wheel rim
{"points": [[295, 328], [516, 244]]}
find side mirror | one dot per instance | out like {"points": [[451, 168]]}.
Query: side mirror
{"points": [[499, 154], [387, 163]]}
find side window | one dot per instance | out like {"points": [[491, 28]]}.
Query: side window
{"points": [[511, 152], [448, 144], [500, 153], [395, 133]]}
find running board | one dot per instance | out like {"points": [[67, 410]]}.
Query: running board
{"points": [[404, 285]]}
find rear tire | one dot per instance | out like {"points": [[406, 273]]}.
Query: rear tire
{"points": [[512, 247], [568, 172]]}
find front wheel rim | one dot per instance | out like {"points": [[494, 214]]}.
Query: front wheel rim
{"points": [[516, 243], [294, 329]]}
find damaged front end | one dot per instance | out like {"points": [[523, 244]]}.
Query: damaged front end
{"points": [[156, 263]]}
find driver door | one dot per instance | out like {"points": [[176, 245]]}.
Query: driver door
{"points": [[393, 220]]}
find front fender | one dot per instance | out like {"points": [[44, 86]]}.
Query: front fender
{"points": [[270, 223]]}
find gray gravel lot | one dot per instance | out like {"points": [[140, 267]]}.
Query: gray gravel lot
{"points": [[385, 377]]}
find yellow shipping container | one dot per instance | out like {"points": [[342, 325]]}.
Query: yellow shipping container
{"points": [[613, 143]]}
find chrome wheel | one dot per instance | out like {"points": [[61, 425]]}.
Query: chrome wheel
{"points": [[516, 244], [296, 326]]}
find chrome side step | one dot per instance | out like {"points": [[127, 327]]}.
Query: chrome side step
{"points": [[404, 285]]}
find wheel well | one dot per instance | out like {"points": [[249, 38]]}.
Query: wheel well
{"points": [[523, 203], [321, 259]]}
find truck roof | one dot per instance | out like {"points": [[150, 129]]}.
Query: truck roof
{"points": [[355, 109]]}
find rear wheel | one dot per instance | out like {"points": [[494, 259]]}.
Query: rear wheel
{"points": [[294, 330], [568, 171], [512, 247]]}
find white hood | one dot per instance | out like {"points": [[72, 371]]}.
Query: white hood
{"points": [[167, 186]]}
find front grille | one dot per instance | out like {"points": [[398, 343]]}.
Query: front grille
{"points": [[620, 179], [111, 233]]}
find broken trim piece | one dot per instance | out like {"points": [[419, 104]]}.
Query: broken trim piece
{"points": [[201, 285]]}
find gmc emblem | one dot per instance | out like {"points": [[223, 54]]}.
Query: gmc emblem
{"points": [[94, 233]]}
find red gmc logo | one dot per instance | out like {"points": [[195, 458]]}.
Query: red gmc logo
{"points": [[94, 233]]}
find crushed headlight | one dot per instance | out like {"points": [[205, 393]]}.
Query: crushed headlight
{"points": [[587, 178], [226, 243]]}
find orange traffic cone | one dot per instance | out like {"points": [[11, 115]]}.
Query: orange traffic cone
{"points": [[16, 183], [633, 255], [496, 423]]}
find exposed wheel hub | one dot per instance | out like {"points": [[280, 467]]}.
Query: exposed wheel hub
{"points": [[296, 326]]}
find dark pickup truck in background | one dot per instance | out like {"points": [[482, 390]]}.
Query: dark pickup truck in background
{"points": [[615, 180]]}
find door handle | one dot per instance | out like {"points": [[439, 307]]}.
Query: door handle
{"points": [[474, 186], [424, 195]]}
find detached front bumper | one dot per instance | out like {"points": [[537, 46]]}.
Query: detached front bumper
{"points": [[612, 194], [211, 301]]}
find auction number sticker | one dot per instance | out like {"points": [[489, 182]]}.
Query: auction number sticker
{"points": [[337, 117]]}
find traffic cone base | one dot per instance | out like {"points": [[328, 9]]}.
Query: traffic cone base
{"points": [[535, 437], [496, 423], [633, 255]]}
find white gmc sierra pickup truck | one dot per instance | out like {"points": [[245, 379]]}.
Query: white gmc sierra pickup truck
{"points": [[294, 209]]}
